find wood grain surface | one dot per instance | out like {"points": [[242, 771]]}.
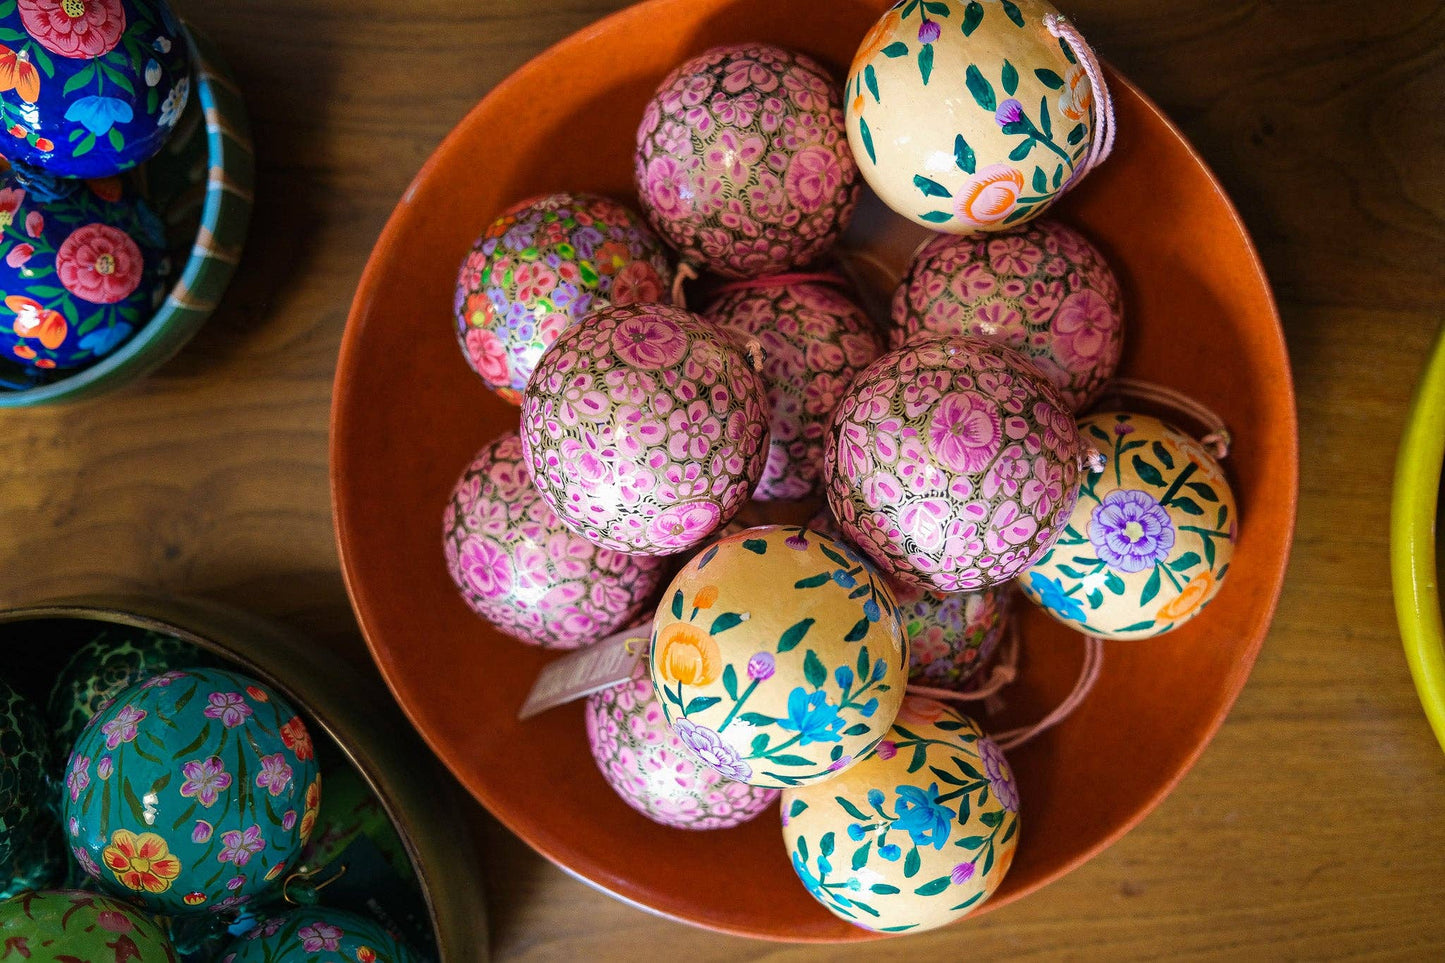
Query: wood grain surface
{"points": [[1314, 825]]}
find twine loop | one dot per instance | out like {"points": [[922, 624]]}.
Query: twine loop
{"points": [[1103, 140]]}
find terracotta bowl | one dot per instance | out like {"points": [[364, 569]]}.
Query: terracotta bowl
{"points": [[408, 414]]}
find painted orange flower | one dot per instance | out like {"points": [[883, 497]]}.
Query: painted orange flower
{"points": [[705, 597], [688, 656], [920, 711], [365, 954], [879, 37], [612, 257], [194, 899], [34, 321], [1078, 96], [17, 73], [989, 196], [313, 803], [297, 739], [141, 861], [1188, 601], [275, 871], [23, 351]]}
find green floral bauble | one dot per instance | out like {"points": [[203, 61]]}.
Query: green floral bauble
{"points": [[22, 769]]}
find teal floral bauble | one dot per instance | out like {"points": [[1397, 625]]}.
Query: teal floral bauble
{"points": [[317, 935], [22, 769], [71, 925], [194, 791]]}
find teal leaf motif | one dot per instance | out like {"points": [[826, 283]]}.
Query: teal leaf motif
{"points": [[937, 8], [858, 631], [813, 581], [1137, 626], [912, 863], [972, 17], [793, 634], [856, 729], [813, 670], [849, 808], [860, 855], [790, 760], [1010, 78], [883, 889], [1013, 12], [1041, 181], [925, 62], [895, 50], [730, 681], [1186, 561], [1021, 212], [1186, 505], [757, 719], [1022, 150], [1058, 176], [1203, 491], [870, 77], [1045, 124], [867, 136], [1096, 599], [756, 545], [1162, 453], [936, 217], [758, 747], [826, 844], [1049, 79], [981, 89], [1147, 472], [677, 604], [1151, 588], [1068, 51], [1077, 134], [1113, 583], [929, 187], [934, 886], [863, 663], [796, 809], [725, 621], [963, 155]]}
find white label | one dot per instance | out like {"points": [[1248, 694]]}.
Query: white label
{"points": [[603, 665]]}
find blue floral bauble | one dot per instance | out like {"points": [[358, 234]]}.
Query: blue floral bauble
{"points": [[314, 934], [89, 88], [193, 791], [79, 275]]}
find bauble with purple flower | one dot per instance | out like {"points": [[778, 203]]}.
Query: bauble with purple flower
{"points": [[317, 934]]}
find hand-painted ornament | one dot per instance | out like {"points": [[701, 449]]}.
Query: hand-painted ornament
{"points": [[815, 341], [77, 925], [315, 934], [952, 463], [543, 265], [40, 860], [517, 565], [193, 791], [916, 836], [1042, 289], [23, 760], [644, 429], [967, 116], [90, 87], [742, 161], [1150, 540], [778, 657], [648, 765], [80, 273]]}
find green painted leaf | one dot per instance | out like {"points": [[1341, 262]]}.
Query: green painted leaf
{"points": [[867, 136], [1137, 626], [1147, 471], [757, 719], [813, 581], [968, 902], [870, 77], [925, 62], [1010, 78], [827, 843], [971, 842], [934, 886], [860, 856], [946, 776], [1049, 79], [1203, 491], [116, 139], [862, 906], [82, 76], [759, 744], [856, 729], [793, 634], [1186, 505], [1058, 176], [936, 217], [901, 928], [1162, 453], [730, 681], [1068, 51], [1022, 150], [84, 147], [937, 8], [195, 744], [1185, 561], [1095, 599], [727, 620], [813, 670], [1070, 571], [981, 89], [863, 663], [895, 50], [803, 848], [930, 188], [1222, 517], [1013, 828], [1013, 12], [849, 808], [677, 604], [796, 809], [1113, 583], [920, 756], [963, 155], [912, 863], [1041, 181], [790, 760], [972, 17], [757, 546], [1077, 134], [858, 631], [1099, 433], [1209, 552], [1045, 123], [133, 803], [883, 889], [43, 59], [1151, 588]]}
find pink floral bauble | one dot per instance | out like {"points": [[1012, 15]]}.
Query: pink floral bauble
{"points": [[743, 162], [952, 463], [652, 770], [1041, 289], [541, 266], [517, 565], [99, 263], [815, 341], [645, 428]]}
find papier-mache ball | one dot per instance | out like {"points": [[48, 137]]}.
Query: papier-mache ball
{"points": [[1150, 540], [194, 791], [967, 116], [916, 836], [23, 758], [1042, 289], [517, 565], [645, 428], [543, 265], [80, 273], [90, 87], [648, 766], [742, 161], [317, 934], [41, 860], [778, 657], [65, 925], [952, 463], [815, 340]]}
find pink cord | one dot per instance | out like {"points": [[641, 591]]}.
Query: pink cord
{"points": [[686, 271], [1088, 676], [774, 280], [1217, 438], [1103, 140]]}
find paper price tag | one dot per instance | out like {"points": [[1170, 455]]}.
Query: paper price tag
{"points": [[608, 663]]}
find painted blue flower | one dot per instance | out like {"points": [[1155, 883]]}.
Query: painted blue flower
{"points": [[153, 72], [102, 341], [99, 114], [844, 677], [855, 832], [844, 579], [875, 798], [890, 852], [1131, 531], [1053, 597], [812, 717], [871, 611], [868, 708], [925, 821]]}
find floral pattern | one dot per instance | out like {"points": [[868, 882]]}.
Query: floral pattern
{"points": [[316, 934], [951, 464], [72, 924], [205, 780], [639, 459], [140, 862], [1150, 540], [24, 775], [1042, 289], [742, 162], [542, 266]]}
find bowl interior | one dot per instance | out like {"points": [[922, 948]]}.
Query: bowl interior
{"points": [[408, 415]]}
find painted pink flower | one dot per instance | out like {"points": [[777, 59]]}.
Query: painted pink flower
{"points": [[1014, 255], [205, 780], [813, 178], [288, 819], [239, 847], [998, 321], [488, 356], [275, 774], [79, 29], [320, 936], [649, 342], [162, 680], [113, 922], [202, 832], [34, 223], [684, 525], [104, 768], [123, 727], [746, 73], [78, 777], [485, 567], [965, 432], [19, 254], [1084, 326], [692, 431], [666, 183], [637, 283], [229, 707], [989, 195], [99, 264]]}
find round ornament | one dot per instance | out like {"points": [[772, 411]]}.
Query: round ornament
{"points": [[23, 750], [40, 860], [646, 763], [916, 836], [1150, 540], [80, 273], [967, 116], [90, 87], [517, 565], [193, 791], [316, 934], [815, 341], [778, 657], [742, 161], [1042, 289], [79, 925], [644, 429], [952, 463], [540, 267]]}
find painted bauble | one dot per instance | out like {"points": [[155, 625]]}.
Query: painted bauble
{"points": [[192, 792], [40, 860], [91, 87], [543, 265], [916, 836], [646, 763], [80, 274], [65, 925], [742, 161], [316, 934], [778, 657], [1042, 289], [1149, 542], [23, 757], [517, 565], [967, 116], [815, 340], [644, 429], [952, 463]]}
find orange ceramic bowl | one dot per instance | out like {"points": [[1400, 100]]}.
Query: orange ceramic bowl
{"points": [[409, 413]]}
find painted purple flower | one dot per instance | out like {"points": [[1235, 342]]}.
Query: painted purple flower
{"points": [[104, 768], [164, 679], [123, 727], [1000, 776], [228, 903], [79, 776], [288, 819], [236, 882], [965, 432], [275, 775], [1122, 428], [238, 847], [961, 874], [798, 541], [229, 707], [205, 780], [320, 936], [1009, 112], [1131, 531], [684, 525], [887, 750], [929, 31], [761, 666], [202, 832], [709, 747], [74, 825], [86, 862], [649, 342], [485, 567]]}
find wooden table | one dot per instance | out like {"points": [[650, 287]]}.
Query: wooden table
{"points": [[1315, 823]]}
